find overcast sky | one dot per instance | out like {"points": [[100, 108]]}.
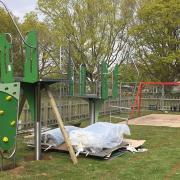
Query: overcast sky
{"points": [[20, 7]]}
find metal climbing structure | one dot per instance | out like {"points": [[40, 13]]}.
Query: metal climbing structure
{"points": [[14, 91], [11, 88], [101, 90], [149, 88], [9, 98]]}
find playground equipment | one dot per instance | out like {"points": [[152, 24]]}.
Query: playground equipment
{"points": [[149, 87], [101, 91], [28, 87], [15, 90]]}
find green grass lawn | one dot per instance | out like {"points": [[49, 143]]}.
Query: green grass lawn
{"points": [[161, 161]]}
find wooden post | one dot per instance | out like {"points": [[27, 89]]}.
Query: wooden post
{"points": [[61, 126], [46, 111], [139, 100]]}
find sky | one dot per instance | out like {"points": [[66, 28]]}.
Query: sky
{"points": [[20, 7]]}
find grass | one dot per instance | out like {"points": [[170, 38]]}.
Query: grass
{"points": [[161, 161], [85, 122]]}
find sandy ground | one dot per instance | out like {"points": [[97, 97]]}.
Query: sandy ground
{"points": [[157, 120]]}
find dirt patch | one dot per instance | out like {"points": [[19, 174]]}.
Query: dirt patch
{"points": [[32, 157], [168, 120], [18, 170], [9, 167]]}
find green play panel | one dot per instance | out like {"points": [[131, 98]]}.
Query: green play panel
{"points": [[9, 105]]}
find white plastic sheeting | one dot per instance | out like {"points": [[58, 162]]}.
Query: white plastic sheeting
{"points": [[91, 139], [98, 136], [54, 137]]}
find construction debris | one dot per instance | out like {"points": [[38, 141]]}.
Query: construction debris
{"points": [[98, 136], [102, 140]]}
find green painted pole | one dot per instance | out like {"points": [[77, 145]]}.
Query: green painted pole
{"points": [[94, 108]]}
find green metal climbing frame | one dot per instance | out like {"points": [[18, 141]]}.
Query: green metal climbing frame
{"points": [[9, 103], [10, 90]]}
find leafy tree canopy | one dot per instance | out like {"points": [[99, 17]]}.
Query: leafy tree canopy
{"points": [[156, 33], [94, 31]]}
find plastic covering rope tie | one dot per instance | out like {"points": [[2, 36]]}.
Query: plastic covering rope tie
{"points": [[49, 147]]}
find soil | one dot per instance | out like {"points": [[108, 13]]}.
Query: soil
{"points": [[32, 157], [18, 170], [9, 167], [168, 120]]}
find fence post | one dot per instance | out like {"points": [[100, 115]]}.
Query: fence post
{"points": [[69, 110], [46, 111], [162, 98]]}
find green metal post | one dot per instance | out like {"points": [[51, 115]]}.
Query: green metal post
{"points": [[115, 89], [33, 95], [29, 92], [31, 69], [82, 80], [5, 60], [94, 108], [104, 80]]}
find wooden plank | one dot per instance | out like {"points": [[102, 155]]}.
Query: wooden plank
{"points": [[104, 154], [61, 126], [45, 119]]}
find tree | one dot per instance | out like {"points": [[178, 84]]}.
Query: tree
{"points": [[94, 31], [156, 34], [8, 27], [47, 56], [30, 22]]}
